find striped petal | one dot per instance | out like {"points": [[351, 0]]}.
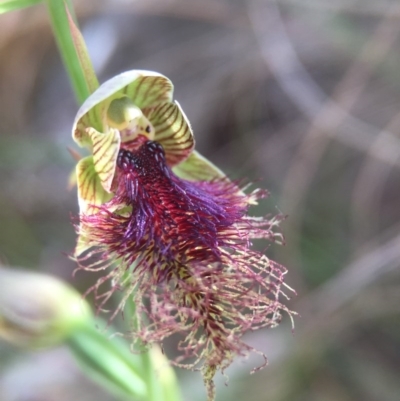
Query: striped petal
{"points": [[172, 131], [144, 88], [90, 189], [105, 153]]}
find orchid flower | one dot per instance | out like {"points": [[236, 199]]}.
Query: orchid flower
{"points": [[169, 229]]}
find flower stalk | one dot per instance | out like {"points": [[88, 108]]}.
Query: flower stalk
{"points": [[72, 48]]}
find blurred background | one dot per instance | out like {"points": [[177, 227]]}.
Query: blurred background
{"points": [[301, 96]]}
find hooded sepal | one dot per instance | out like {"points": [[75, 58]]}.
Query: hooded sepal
{"points": [[144, 88]]}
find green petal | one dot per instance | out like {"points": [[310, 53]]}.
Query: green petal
{"points": [[197, 168], [105, 153], [144, 88], [90, 189], [172, 131]]}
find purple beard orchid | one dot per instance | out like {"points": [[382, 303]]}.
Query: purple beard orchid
{"points": [[169, 229]]}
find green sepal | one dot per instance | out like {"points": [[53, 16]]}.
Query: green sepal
{"points": [[197, 168]]}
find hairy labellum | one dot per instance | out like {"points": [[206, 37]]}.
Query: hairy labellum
{"points": [[180, 221], [181, 249]]}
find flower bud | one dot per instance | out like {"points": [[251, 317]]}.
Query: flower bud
{"points": [[37, 310]]}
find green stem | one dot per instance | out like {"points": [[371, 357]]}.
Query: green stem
{"points": [[160, 378], [153, 390], [58, 12]]}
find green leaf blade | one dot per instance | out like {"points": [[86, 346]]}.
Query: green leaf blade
{"points": [[108, 362]]}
